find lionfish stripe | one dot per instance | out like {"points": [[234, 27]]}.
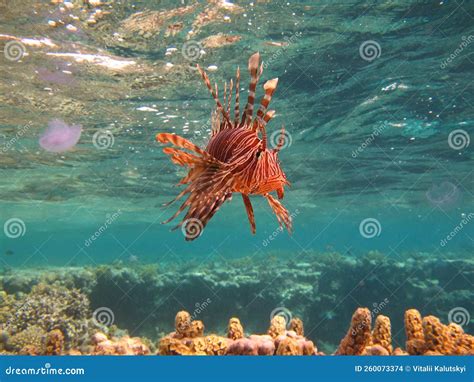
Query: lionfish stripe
{"points": [[237, 98], [253, 66], [180, 142]]}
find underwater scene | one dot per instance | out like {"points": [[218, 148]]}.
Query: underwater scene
{"points": [[317, 156]]}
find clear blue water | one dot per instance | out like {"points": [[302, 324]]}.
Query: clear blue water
{"points": [[370, 130]]}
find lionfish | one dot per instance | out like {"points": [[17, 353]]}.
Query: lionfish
{"points": [[236, 159]]}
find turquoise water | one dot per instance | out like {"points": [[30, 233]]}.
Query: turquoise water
{"points": [[377, 99]]}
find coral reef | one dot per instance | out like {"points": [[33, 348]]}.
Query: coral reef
{"points": [[46, 320], [279, 341], [425, 336], [125, 345], [311, 290]]}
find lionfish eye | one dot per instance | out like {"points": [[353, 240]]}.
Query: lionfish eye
{"points": [[258, 154]]}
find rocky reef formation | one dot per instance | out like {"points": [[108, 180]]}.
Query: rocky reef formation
{"points": [[435, 338], [45, 321], [55, 320], [323, 289], [186, 340]]}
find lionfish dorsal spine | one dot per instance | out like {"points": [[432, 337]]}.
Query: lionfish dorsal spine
{"points": [[229, 101], [237, 98], [253, 67], [269, 88], [213, 92]]}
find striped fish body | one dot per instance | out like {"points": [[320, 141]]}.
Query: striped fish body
{"points": [[236, 159], [255, 171]]}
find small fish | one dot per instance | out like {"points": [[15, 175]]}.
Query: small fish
{"points": [[236, 159], [9, 252], [277, 43]]}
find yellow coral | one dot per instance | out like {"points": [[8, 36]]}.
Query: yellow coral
{"points": [[415, 343], [289, 346], [235, 329], [437, 336], [277, 326], [54, 342], [464, 345], [216, 345], [182, 323], [358, 336], [382, 333], [296, 324]]}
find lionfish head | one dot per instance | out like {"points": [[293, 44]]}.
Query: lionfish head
{"points": [[269, 164]]}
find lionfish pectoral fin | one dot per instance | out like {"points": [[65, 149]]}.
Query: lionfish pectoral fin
{"points": [[280, 193], [280, 211], [250, 214]]}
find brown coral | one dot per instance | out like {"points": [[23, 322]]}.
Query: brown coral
{"points": [[437, 336], [382, 333], [54, 342], [464, 345], [119, 346], [399, 351], [216, 345], [235, 329], [358, 336], [277, 326], [415, 343], [182, 323], [296, 324], [375, 350], [289, 346], [173, 346]]}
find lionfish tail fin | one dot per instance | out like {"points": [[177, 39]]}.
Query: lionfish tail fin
{"points": [[209, 184]]}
